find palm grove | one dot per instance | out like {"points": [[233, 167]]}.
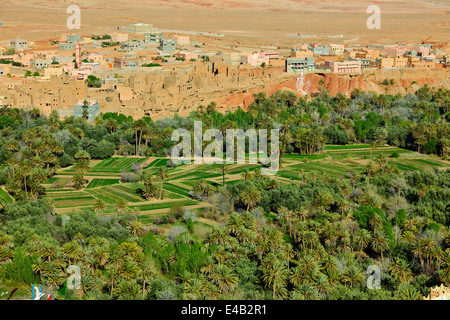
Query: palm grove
{"points": [[312, 238]]}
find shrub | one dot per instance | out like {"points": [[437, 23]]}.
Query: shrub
{"points": [[400, 217], [171, 220], [129, 177], [395, 155], [154, 229], [177, 212], [175, 232], [157, 220], [188, 214], [103, 150]]}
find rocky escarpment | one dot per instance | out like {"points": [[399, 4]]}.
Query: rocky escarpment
{"points": [[405, 80]]}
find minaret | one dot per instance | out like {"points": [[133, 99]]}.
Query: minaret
{"points": [[78, 55]]}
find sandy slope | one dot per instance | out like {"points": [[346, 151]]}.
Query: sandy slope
{"points": [[251, 20]]}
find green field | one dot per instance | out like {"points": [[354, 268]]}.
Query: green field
{"points": [[4, 196], [95, 183], [333, 161], [113, 165]]}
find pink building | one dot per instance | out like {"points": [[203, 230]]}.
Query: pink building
{"points": [[93, 57], [187, 55], [95, 67], [119, 37], [25, 59], [422, 49], [78, 54], [81, 73], [182, 40], [344, 66], [396, 51], [272, 55], [255, 59], [11, 57]]}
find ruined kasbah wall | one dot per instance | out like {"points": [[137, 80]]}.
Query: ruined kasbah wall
{"points": [[59, 93], [165, 93]]}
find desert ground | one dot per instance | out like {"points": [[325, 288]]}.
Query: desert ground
{"points": [[276, 22]]}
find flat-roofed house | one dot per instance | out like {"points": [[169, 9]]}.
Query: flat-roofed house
{"points": [[367, 54], [19, 44], [131, 45], [319, 49], [66, 46], [126, 61], [300, 65], [386, 62], [395, 51], [4, 69], [153, 37], [40, 63], [182, 40], [141, 27], [119, 37], [301, 54], [73, 38], [187, 55], [400, 62], [344, 66], [336, 49], [255, 59], [167, 45]]}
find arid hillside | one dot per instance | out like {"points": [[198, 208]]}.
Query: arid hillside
{"points": [[259, 21]]}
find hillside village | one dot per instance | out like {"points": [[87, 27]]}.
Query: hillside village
{"points": [[140, 70]]}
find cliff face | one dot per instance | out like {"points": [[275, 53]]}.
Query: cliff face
{"points": [[335, 83]]}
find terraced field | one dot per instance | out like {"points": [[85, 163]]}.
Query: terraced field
{"points": [[101, 182], [334, 161], [112, 165]]}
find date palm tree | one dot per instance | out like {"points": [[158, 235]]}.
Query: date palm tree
{"points": [[364, 238], [128, 289], [145, 274], [136, 228], [223, 277], [78, 181], [275, 275], [112, 124], [250, 197], [99, 206], [113, 277], [410, 293], [39, 266], [353, 276], [401, 272], [121, 206], [139, 127], [224, 169], [380, 244], [162, 173]]}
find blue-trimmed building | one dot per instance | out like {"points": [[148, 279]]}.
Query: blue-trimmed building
{"points": [[298, 65], [91, 106]]}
